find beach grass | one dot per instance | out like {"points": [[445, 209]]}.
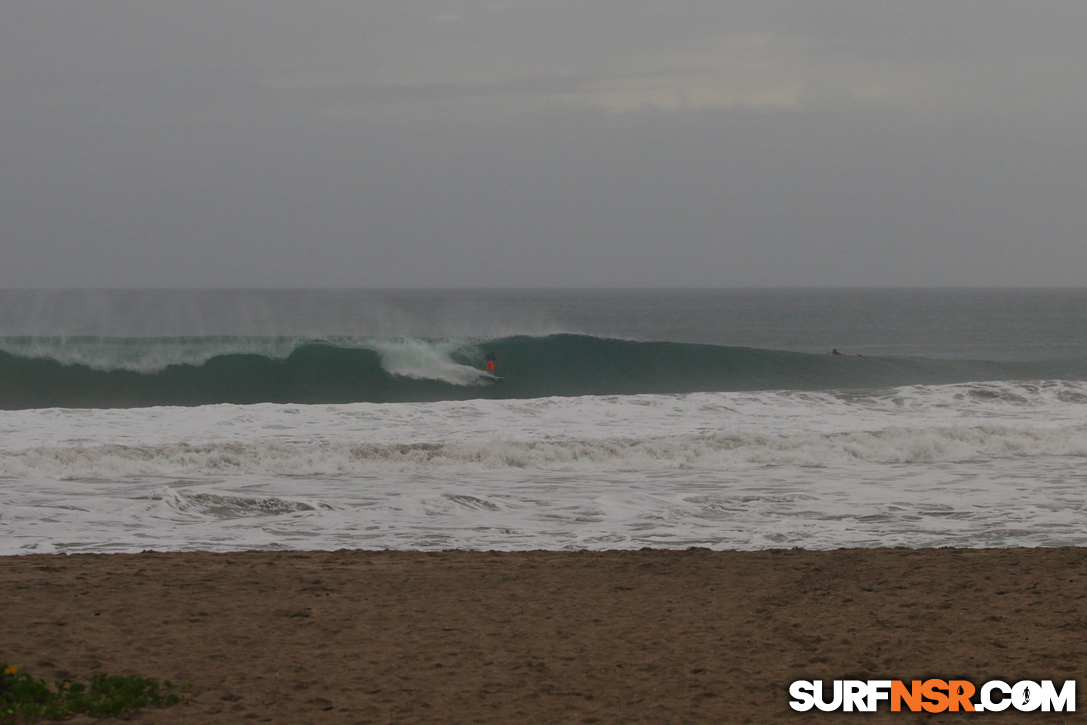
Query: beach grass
{"points": [[24, 698]]}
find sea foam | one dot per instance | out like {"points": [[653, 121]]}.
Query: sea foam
{"points": [[978, 464]]}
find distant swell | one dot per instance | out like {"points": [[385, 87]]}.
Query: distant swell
{"points": [[53, 373]]}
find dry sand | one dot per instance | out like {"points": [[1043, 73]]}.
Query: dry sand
{"points": [[544, 637]]}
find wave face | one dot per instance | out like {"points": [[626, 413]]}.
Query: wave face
{"points": [[140, 372]]}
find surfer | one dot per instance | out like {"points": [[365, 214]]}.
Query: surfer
{"points": [[491, 360], [835, 352]]}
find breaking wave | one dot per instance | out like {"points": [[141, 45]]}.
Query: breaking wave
{"points": [[138, 372]]}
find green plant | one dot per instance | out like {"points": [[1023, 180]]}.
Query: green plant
{"points": [[27, 698]]}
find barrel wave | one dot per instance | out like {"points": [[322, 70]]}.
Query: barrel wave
{"points": [[110, 373]]}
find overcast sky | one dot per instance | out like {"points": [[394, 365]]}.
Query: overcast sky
{"points": [[507, 143]]}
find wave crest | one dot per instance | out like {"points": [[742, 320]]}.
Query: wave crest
{"points": [[201, 371]]}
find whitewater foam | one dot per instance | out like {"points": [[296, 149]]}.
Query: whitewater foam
{"points": [[722, 452], [1013, 502], [978, 464], [428, 360]]}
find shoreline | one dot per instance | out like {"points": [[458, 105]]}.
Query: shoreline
{"points": [[622, 636]]}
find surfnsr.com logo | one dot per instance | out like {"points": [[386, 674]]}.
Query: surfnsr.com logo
{"points": [[933, 696]]}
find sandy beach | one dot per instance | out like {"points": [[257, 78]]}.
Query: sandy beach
{"points": [[543, 637]]}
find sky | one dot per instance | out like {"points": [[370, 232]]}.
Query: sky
{"points": [[542, 143]]}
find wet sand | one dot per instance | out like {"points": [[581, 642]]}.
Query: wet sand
{"points": [[544, 637]]}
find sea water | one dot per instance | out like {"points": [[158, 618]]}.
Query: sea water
{"points": [[230, 420]]}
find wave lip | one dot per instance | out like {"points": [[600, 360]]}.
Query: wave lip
{"points": [[97, 373]]}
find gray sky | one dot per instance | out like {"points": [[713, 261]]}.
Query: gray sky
{"points": [[505, 143]]}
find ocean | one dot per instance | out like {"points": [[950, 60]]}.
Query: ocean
{"points": [[304, 419]]}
